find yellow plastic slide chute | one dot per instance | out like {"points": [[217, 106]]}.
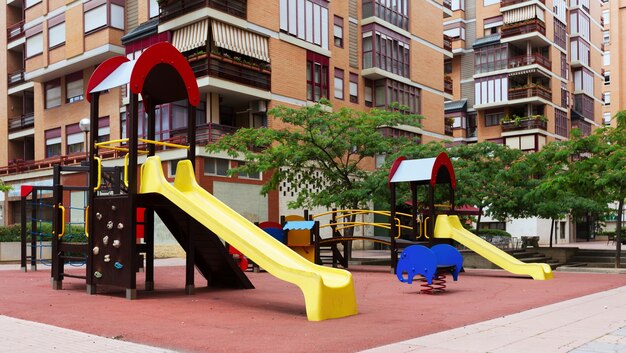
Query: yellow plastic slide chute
{"points": [[328, 292], [450, 227]]}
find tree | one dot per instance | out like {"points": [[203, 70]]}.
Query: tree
{"points": [[330, 151], [478, 168], [610, 174], [4, 187]]}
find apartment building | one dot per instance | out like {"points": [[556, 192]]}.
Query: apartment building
{"points": [[248, 56], [525, 74]]}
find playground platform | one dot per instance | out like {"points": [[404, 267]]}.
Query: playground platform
{"points": [[486, 310]]}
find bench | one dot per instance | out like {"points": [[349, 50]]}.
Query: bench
{"points": [[530, 241]]}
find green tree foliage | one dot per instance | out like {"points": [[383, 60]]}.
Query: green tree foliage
{"points": [[324, 149], [479, 170]]}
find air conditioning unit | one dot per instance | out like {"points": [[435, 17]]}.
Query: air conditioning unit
{"points": [[258, 106]]}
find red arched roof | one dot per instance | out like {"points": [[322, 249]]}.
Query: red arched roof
{"points": [[431, 171], [164, 53], [165, 82]]}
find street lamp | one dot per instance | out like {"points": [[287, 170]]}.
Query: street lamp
{"points": [[84, 124]]}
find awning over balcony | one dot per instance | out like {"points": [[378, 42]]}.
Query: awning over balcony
{"points": [[523, 13], [190, 37], [240, 41]]}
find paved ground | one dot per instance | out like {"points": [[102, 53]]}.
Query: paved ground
{"points": [[485, 311]]}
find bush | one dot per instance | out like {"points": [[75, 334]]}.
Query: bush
{"points": [[73, 233], [491, 232]]}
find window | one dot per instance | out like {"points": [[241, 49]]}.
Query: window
{"points": [[173, 166], [580, 50], [493, 225], [386, 50], [53, 142], [606, 58], [491, 58], [74, 87], [306, 20], [34, 41], [216, 166], [74, 139], [255, 176], [395, 12], [316, 76], [561, 124], [338, 32], [104, 130], [103, 13], [606, 117], [338, 83], [606, 98], [560, 34], [492, 119], [605, 17], [123, 126], [492, 25], [606, 37], [491, 89], [354, 88], [607, 77], [56, 31], [53, 93], [382, 93], [154, 8]]}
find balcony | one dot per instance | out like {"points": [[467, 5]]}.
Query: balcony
{"points": [[583, 107], [530, 92], [175, 8], [16, 77], [505, 3], [232, 69], [447, 43], [525, 60], [525, 27], [205, 134], [525, 123], [21, 122], [447, 84], [15, 31]]}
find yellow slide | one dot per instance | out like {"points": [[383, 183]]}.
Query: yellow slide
{"points": [[450, 227], [328, 292]]}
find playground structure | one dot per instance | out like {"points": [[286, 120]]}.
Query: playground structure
{"points": [[428, 226], [200, 223]]}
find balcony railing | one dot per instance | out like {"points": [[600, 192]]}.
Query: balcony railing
{"points": [[15, 31], [519, 28], [447, 43], [528, 92], [447, 85], [525, 123], [174, 8], [229, 69], [447, 4], [15, 77], [524, 60], [205, 134], [505, 3], [584, 106], [22, 122]]}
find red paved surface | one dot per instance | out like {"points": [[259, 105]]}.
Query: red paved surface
{"points": [[272, 318]]}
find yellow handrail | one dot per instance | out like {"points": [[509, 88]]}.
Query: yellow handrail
{"points": [[99, 173], [87, 221], [106, 144], [426, 228], [126, 159], [62, 220]]}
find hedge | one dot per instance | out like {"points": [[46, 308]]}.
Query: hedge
{"points": [[11, 233]]}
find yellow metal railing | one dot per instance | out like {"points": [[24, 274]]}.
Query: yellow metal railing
{"points": [[342, 214]]}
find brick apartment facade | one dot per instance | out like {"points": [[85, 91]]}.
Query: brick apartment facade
{"points": [[248, 56]]}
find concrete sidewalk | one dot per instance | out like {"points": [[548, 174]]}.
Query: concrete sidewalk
{"points": [[594, 323]]}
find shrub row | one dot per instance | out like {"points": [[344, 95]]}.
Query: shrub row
{"points": [[73, 233]]}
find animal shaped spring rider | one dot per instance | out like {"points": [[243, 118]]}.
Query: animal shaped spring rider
{"points": [[430, 263]]}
